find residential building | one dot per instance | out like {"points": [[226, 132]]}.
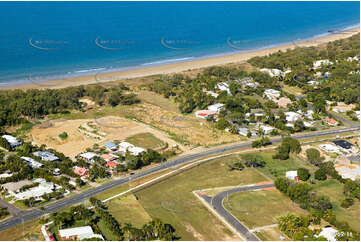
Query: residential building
{"points": [[292, 117], [136, 150], [81, 171], [348, 172], [124, 146], [109, 157], [319, 63], [31, 162], [331, 121], [309, 114], [312, 83], [329, 233], [78, 233], [266, 129], [308, 124], [46, 156], [343, 144], [13, 141], [204, 114], [329, 148], [6, 175], [213, 94], [223, 86], [88, 156], [244, 132], [111, 164], [110, 146], [283, 102], [38, 191], [292, 175], [216, 107], [272, 94]]}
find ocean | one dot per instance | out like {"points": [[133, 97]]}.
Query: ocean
{"points": [[50, 40]]}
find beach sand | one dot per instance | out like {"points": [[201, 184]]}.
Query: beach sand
{"points": [[178, 67]]}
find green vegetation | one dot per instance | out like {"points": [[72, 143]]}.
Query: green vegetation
{"points": [[63, 136], [145, 140], [288, 145]]}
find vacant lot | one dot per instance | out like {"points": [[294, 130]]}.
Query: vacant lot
{"points": [[145, 140], [261, 207], [273, 234], [173, 202], [333, 189], [31, 230]]}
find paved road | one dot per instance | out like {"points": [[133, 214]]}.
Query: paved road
{"points": [[217, 203], [78, 198], [11, 208]]}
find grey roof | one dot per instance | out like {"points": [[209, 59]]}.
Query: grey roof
{"points": [[14, 186]]}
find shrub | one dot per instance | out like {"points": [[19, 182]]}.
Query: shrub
{"points": [[320, 174], [348, 202], [303, 174]]}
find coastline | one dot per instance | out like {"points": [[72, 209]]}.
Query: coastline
{"points": [[145, 71]]}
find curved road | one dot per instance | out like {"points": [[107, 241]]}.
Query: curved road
{"points": [[78, 198], [217, 203]]}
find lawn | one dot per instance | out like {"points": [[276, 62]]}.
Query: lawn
{"points": [[277, 168], [173, 202], [145, 140], [333, 189], [260, 208], [127, 209], [270, 234]]}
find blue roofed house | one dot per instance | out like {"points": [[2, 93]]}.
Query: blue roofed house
{"points": [[111, 146], [46, 156]]}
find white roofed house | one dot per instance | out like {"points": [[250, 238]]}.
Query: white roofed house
{"points": [[38, 191], [292, 175], [46, 156], [78, 233], [224, 86], [216, 107], [329, 233], [292, 116], [266, 129], [124, 146], [319, 63], [136, 150], [13, 141], [31, 162], [88, 156], [272, 94]]}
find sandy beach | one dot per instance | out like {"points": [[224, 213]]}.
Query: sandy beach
{"points": [[178, 67]]}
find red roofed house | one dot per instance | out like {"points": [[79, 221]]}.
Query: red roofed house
{"points": [[283, 102], [204, 113], [331, 121], [111, 164], [109, 157], [81, 171]]}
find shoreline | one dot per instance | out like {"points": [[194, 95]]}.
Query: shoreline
{"points": [[170, 68]]}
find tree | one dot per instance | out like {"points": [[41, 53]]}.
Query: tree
{"points": [[320, 174], [237, 165], [314, 156], [282, 184], [303, 174], [348, 202], [222, 124], [352, 189], [288, 145]]}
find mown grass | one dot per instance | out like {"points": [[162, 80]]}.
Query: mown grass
{"points": [[145, 140], [333, 189], [173, 202]]}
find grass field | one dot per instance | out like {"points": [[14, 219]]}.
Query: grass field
{"points": [[277, 168], [29, 231], [127, 209], [145, 140], [333, 189], [272, 234], [173, 202], [260, 208]]}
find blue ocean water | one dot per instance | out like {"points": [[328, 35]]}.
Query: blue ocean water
{"points": [[47, 40]]}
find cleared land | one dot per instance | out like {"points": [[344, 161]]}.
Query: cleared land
{"points": [[333, 189], [261, 207], [31, 230], [173, 202], [145, 140]]}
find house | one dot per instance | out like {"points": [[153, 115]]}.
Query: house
{"points": [[111, 164], [110, 146], [272, 94], [292, 117], [46, 156], [216, 107], [78, 233], [224, 86], [109, 157], [331, 121], [88, 156], [38, 191], [81, 171], [244, 132], [6, 175], [124, 146], [13, 141], [56, 172], [358, 114], [266, 129], [348, 172], [248, 82], [13, 187], [272, 72], [292, 175], [343, 144], [204, 114], [213, 94], [136, 150], [319, 63], [31, 162], [312, 83], [308, 124], [329, 233], [355, 58], [309, 114], [283, 102], [329, 148]]}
